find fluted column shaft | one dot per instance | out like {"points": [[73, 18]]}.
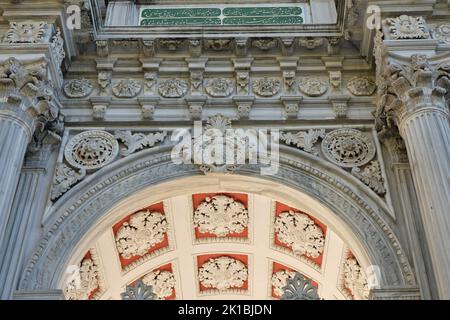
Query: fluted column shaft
{"points": [[427, 137], [15, 134]]}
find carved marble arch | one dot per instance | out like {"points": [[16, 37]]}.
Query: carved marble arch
{"points": [[77, 222]]}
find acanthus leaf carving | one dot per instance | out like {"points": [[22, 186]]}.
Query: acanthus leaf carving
{"points": [[220, 87], [371, 176], [223, 273], [84, 282], [138, 291], [221, 215], [299, 232], [279, 281], [65, 178], [300, 288], [304, 140], [138, 141], [144, 230]]}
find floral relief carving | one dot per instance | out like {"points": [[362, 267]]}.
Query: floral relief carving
{"points": [[173, 88], [407, 27], [220, 87], [84, 282], [25, 32], [65, 178], [442, 33], [162, 282], [361, 86], [266, 87], [299, 232], [355, 279], [243, 80], [313, 87], [144, 230], [304, 140], [371, 176], [348, 148], [279, 281], [221, 215], [223, 273], [78, 88], [91, 150], [127, 88], [57, 47], [264, 44], [137, 141], [217, 44]]}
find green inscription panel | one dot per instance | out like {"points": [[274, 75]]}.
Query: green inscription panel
{"points": [[233, 15]]}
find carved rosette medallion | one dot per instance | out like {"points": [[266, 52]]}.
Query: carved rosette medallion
{"points": [[173, 88], [361, 86], [91, 150], [266, 87], [162, 282], [144, 230], [223, 273], [348, 148], [220, 87], [313, 87], [299, 232], [78, 88], [221, 215], [442, 33]]}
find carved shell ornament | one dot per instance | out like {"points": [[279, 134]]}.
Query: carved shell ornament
{"points": [[221, 215], [361, 86], [220, 87], [348, 148], [223, 273], [162, 282], [127, 88], [144, 230], [299, 232], [313, 87], [173, 88], [78, 88], [266, 87], [91, 150], [355, 279], [407, 27]]}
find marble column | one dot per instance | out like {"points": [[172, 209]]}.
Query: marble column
{"points": [[426, 132], [16, 130]]}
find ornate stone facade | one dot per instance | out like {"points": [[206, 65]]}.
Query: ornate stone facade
{"points": [[90, 116]]}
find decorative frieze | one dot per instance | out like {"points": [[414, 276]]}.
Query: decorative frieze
{"points": [[173, 88], [65, 177], [219, 87], [26, 32], [266, 87], [313, 87], [407, 27], [361, 86], [78, 88], [128, 88]]}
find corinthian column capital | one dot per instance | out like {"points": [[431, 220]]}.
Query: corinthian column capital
{"points": [[28, 98]]}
